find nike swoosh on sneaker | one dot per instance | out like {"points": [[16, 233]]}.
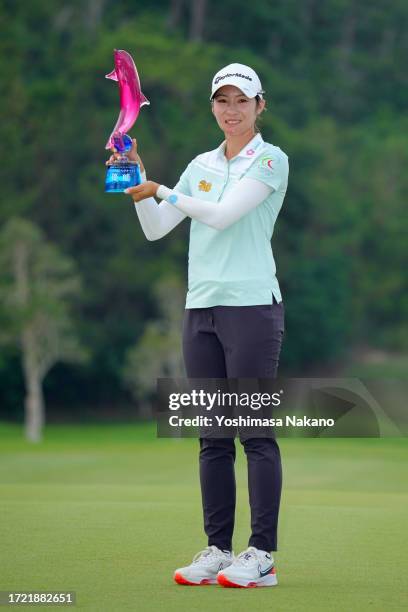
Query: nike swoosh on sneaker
{"points": [[265, 572]]}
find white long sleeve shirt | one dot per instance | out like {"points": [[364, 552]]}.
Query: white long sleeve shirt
{"points": [[158, 220]]}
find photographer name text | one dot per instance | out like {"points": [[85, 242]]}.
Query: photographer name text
{"points": [[247, 421]]}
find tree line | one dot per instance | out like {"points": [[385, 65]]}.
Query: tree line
{"points": [[336, 88]]}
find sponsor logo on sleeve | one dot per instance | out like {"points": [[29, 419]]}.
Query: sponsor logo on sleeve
{"points": [[266, 162]]}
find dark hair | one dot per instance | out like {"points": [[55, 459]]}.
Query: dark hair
{"points": [[258, 119]]}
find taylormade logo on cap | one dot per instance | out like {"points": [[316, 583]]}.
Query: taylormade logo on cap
{"points": [[240, 76], [236, 74]]}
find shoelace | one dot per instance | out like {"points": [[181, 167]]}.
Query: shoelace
{"points": [[246, 557], [207, 554]]}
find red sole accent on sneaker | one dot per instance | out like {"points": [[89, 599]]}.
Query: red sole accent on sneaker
{"points": [[181, 580], [223, 581]]}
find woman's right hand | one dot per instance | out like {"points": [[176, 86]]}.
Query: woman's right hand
{"points": [[132, 155]]}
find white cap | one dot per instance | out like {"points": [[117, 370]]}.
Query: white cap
{"points": [[240, 76]]}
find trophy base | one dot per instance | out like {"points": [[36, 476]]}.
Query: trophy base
{"points": [[120, 176]]}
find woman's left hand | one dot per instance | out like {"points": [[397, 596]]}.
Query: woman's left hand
{"points": [[145, 190]]}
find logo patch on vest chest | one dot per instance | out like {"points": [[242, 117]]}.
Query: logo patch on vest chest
{"points": [[204, 186]]}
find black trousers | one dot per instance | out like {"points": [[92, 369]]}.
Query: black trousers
{"points": [[237, 342]]}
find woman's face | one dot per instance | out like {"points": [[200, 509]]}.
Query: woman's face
{"points": [[234, 112]]}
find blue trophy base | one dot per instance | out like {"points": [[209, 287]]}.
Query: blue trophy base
{"points": [[122, 175]]}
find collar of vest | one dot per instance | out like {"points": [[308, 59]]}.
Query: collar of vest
{"points": [[248, 151]]}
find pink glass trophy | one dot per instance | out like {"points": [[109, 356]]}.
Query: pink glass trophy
{"points": [[124, 172]]}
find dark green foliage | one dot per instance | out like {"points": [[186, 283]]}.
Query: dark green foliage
{"points": [[337, 89]]}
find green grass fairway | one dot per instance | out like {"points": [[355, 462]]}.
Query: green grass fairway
{"points": [[110, 511]]}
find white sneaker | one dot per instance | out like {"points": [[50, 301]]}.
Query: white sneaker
{"points": [[204, 568], [252, 568]]}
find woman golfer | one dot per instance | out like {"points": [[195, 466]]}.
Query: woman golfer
{"points": [[234, 317]]}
